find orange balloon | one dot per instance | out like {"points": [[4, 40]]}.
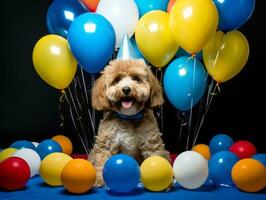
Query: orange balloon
{"points": [[65, 143], [78, 176], [203, 149], [249, 175], [170, 5]]}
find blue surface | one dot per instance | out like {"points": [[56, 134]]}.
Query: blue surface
{"points": [[38, 190]]}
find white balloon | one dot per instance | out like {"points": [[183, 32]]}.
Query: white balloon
{"points": [[36, 144], [190, 169], [122, 14], [31, 157]]}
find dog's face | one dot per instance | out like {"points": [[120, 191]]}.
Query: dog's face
{"points": [[126, 86]]}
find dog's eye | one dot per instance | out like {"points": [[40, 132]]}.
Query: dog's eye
{"points": [[117, 79], [135, 78]]}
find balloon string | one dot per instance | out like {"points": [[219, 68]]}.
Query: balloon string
{"points": [[77, 114], [61, 101], [84, 85], [161, 106], [80, 116], [191, 104], [93, 110], [92, 121], [76, 84], [89, 113], [180, 131], [76, 93], [211, 95], [74, 124], [159, 77], [183, 123], [204, 101], [208, 102]]}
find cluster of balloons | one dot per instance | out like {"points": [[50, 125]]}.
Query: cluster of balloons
{"points": [[22, 160], [224, 50], [87, 32], [234, 163]]}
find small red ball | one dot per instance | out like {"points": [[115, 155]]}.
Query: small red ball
{"points": [[14, 173], [243, 149]]}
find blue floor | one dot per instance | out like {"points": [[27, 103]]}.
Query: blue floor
{"points": [[38, 190]]}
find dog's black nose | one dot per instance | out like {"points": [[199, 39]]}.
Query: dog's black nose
{"points": [[126, 90]]}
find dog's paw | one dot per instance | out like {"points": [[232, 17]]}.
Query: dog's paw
{"points": [[99, 182]]}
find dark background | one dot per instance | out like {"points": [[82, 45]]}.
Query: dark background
{"points": [[29, 107]]}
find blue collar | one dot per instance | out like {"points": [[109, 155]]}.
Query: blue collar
{"points": [[137, 117]]}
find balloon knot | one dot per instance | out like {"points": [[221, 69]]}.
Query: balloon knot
{"points": [[63, 94]]}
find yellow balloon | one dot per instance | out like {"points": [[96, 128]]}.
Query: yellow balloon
{"points": [[156, 173], [52, 166], [6, 153], [54, 61], [225, 55], [193, 22], [154, 38]]}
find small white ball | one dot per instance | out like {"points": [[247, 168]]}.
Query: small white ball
{"points": [[31, 157], [190, 169]]}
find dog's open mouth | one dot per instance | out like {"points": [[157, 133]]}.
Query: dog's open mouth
{"points": [[127, 103]]}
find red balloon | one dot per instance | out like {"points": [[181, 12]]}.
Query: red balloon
{"points": [[14, 173], [243, 149], [91, 5]]}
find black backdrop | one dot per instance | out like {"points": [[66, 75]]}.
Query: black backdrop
{"points": [[29, 107]]}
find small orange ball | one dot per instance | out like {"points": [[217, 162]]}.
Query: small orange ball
{"points": [[203, 149], [78, 176], [249, 175], [65, 143]]}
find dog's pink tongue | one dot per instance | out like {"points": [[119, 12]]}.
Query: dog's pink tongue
{"points": [[126, 104]]}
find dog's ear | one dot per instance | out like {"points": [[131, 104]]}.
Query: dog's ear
{"points": [[98, 98], [156, 94]]}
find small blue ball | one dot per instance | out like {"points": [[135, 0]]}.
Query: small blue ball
{"points": [[23, 144], [220, 167], [220, 142], [121, 173], [48, 146]]}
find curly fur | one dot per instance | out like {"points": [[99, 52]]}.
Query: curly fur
{"points": [[139, 139]]}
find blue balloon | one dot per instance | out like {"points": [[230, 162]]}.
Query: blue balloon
{"points": [[48, 146], [92, 41], [233, 13], [220, 166], [220, 142], [121, 173], [61, 14], [181, 52], [261, 157], [185, 82], [23, 144], [145, 6]]}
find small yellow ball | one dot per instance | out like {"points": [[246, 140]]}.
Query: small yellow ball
{"points": [[6, 153], [52, 166], [156, 173]]}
